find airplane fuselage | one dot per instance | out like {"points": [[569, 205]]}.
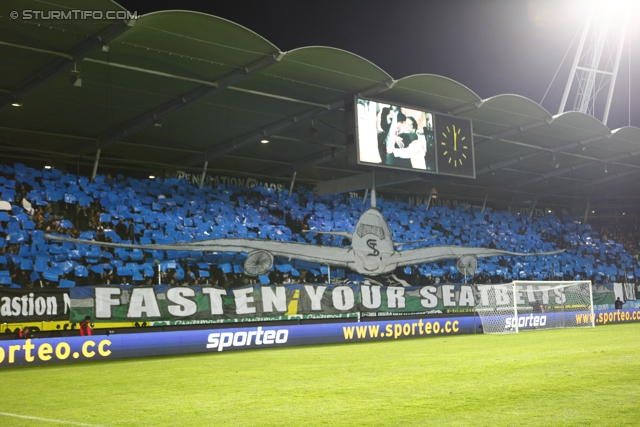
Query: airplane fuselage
{"points": [[372, 244]]}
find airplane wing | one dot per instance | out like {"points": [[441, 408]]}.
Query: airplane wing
{"points": [[437, 253], [336, 233], [396, 244], [325, 255]]}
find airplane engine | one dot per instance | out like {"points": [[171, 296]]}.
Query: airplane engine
{"points": [[467, 265], [258, 262]]}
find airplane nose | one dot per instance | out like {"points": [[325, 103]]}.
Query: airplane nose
{"points": [[370, 264]]}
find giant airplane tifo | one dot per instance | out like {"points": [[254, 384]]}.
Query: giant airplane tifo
{"points": [[372, 250]]}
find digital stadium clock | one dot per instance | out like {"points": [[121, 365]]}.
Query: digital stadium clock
{"points": [[454, 146]]}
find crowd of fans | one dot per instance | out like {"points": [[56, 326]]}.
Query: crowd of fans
{"points": [[623, 230], [169, 210]]}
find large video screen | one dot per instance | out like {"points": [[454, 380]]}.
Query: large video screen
{"points": [[400, 137]]}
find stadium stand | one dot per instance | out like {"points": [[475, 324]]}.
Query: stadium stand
{"points": [[170, 210]]}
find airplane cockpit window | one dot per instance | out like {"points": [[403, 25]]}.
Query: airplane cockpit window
{"points": [[364, 229]]}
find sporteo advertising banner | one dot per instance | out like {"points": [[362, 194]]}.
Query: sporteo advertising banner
{"points": [[78, 349], [33, 305], [166, 303]]}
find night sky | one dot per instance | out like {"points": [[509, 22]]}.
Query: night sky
{"points": [[491, 46]]}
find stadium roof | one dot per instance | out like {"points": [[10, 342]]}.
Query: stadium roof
{"points": [[176, 89]]}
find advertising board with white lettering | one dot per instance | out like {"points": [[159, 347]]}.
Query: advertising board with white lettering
{"points": [[78, 349], [127, 303], [33, 305]]}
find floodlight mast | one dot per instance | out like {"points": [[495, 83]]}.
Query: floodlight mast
{"points": [[589, 67]]}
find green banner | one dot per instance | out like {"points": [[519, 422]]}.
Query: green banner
{"points": [[254, 319], [280, 302]]}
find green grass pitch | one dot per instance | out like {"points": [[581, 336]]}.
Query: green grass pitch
{"points": [[587, 377]]}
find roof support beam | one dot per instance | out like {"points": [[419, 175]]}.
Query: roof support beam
{"points": [[512, 131], [583, 165], [198, 81], [626, 183], [493, 190], [533, 206], [293, 181], [431, 193], [53, 134], [36, 49], [204, 174], [149, 118], [503, 164], [95, 165], [613, 176], [362, 181], [586, 211], [316, 159], [557, 172], [63, 63], [251, 138], [309, 141], [465, 108], [609, 177], [309, 162], [158, 73], [484, 203]]}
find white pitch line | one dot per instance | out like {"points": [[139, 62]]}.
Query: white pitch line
{"points": [[49, 420]]}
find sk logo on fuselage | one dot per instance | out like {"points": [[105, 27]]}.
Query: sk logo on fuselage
{"points": [[372, 244]]}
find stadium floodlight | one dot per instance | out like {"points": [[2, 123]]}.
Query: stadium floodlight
{"points": [[616, 7], [535, 305]]}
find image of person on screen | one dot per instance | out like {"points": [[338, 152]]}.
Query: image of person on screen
{"points": [[415, 147], [427, 130], [367, 131], [409, 135], [386, 115], [395, 134], [419, 127]]}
